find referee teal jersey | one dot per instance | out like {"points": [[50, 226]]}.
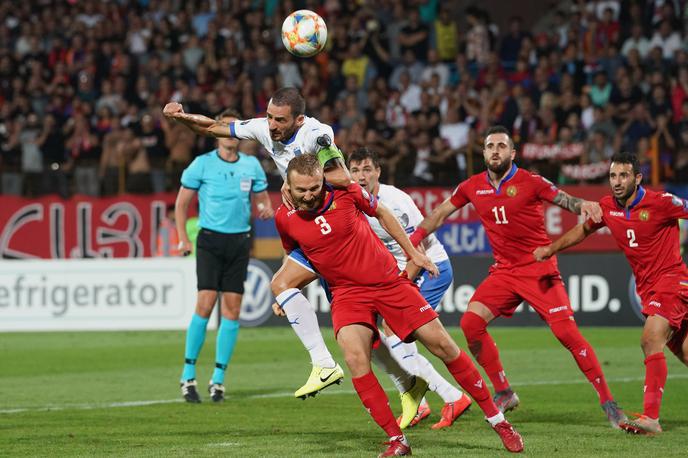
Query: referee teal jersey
{"points": [[224, 190]]}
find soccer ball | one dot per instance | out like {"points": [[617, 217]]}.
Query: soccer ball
{"points": [[304, 33]]}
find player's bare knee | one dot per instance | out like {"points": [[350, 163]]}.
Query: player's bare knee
{"points": [[278, 285], [650, 344], [357, 361], [205, 302]]}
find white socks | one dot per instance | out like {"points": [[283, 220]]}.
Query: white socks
{"points": [[402, 379], [410, 359], [496, 419], [304, 322]]}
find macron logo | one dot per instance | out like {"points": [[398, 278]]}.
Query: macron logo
{"points": [[482, 192], [613, 213], [558, 309], [656, 304], [425, 307], [478, 384]]}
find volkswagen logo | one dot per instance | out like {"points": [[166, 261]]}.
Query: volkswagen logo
{"points": [[634, 299], [256, 306]]}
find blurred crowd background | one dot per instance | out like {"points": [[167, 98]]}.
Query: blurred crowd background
{"points": [[83, 84]]}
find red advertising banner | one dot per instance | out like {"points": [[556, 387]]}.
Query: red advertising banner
{"points": [[81, 227], [126, 226]]}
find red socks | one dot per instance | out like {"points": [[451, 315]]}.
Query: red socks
{"points": [[375, 401], [484, 349], [655, 379], [468, 377], [568, 334]]}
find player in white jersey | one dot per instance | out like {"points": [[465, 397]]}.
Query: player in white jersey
{"points": [[286, 133], [365, 169]]}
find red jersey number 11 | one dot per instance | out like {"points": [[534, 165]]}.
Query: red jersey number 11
{"points": [[499, 211]]}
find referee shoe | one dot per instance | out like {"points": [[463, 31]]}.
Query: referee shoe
{"points": [[189, 391]]}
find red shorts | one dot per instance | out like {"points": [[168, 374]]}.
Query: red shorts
{"points": [[502, 292], [400, 304], [668, 298], [675, 344]]}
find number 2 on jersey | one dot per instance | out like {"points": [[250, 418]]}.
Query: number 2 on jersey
{"points": [[630, 233], [325, 228], [499, 211]]}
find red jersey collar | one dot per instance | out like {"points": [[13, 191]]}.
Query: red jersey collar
{"points": [[508, 177]]}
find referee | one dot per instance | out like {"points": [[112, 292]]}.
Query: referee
{"points": [[224, 179]]}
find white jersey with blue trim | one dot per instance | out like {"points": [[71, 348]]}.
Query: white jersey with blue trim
{"points": [[406, 212], [303, 141]]}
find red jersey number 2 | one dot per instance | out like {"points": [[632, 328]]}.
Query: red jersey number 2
{"points": [[325, 228]]}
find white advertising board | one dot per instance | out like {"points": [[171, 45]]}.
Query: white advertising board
{"points": [[97, 294]]}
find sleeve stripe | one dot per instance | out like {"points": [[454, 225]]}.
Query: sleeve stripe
{"points": [[232, 131], [190, 187]]}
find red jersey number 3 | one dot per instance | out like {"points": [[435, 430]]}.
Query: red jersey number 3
{"points": [[325, 228]]}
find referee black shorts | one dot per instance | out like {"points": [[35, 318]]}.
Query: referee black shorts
{"points": [[222, 260]]}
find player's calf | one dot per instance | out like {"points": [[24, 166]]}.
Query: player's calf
{"points": [[438, 342]]}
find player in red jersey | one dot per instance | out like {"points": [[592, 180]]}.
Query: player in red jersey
{"points": [[644, 224], [330, 227], [509, 202]]}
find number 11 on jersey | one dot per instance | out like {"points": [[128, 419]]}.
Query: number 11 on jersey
{"points": [[499, 211]]}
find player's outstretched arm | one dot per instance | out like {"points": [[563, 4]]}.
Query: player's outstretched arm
{"points": [[200, 124], [431, 222], [569, 239], [181, 207], [391, 225], [589, 210]]}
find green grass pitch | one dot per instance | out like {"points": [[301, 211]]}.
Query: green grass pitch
{"points": [[116, 394]]}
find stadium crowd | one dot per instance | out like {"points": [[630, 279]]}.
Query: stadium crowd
{"points": [[82, 85]]}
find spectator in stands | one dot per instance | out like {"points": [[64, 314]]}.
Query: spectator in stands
{"points": [[636, 41], [668, 40], [414, 36], [56, 164], [167, 241]]}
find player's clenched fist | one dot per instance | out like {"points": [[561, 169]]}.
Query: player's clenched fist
{"points": [[422, 261], [542, 253], [171, 109], [591, 210], [277, 310]]}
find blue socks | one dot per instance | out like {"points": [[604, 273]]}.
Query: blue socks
{"points": [[226, 340], [195, 336]]}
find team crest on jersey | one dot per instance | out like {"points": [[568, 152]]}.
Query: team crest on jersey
{"points": [[644, 215], [511, 191]]}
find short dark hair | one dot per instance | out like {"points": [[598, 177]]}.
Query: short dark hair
{"points": [[627, 158], [363, 153], [497, 129], [304, 164], [228, 113], [292, 97]]}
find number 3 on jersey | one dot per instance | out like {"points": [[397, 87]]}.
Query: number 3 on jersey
{"points": [[325, 228], [499, 211], [630, 233]]}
